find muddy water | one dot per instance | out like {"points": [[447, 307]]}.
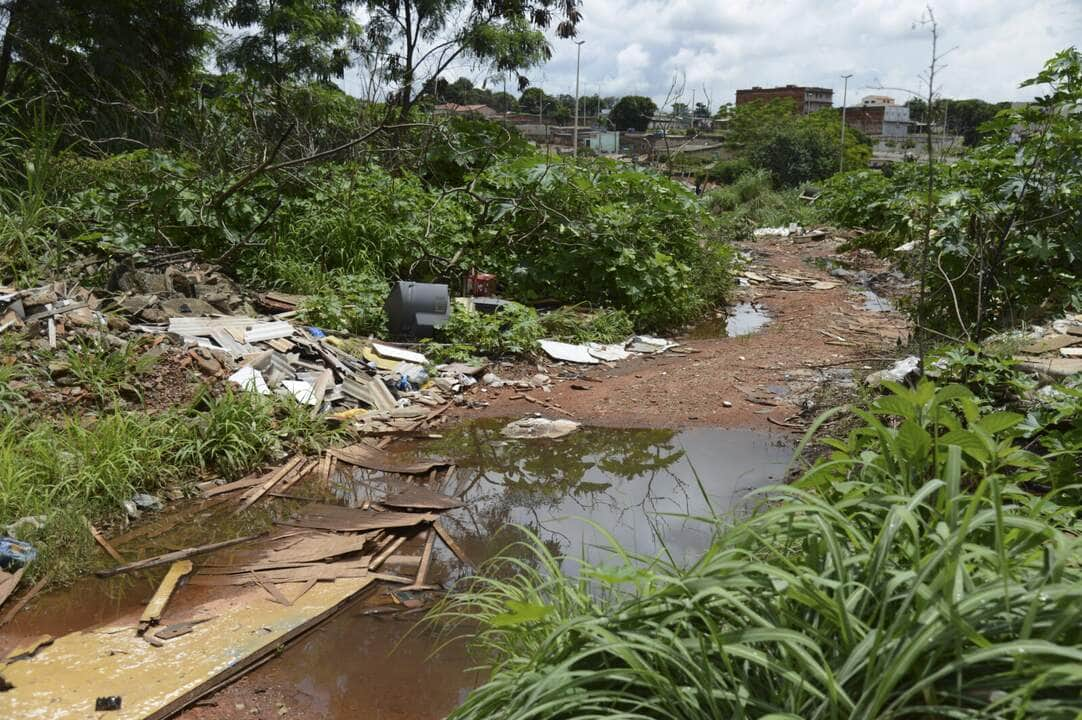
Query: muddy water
{"points": [[741, 319], [361, 664]]}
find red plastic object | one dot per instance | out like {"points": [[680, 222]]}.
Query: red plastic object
{"points": [[480, 284]]}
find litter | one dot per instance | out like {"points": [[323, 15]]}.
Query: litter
{"points": [[649, 345], [154, 609], [535, 428], [248, 378], [608, 353], [899, 372], [568, 352], [15, 554], [394, 353], [303, 392]]}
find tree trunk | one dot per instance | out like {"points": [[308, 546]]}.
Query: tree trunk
{"points": [[7, 46]]}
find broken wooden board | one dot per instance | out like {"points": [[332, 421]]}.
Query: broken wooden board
{"points": [[62, 681], [418, 497], [1051, 343], [301, 573], [1051, 367], [8, 583], [171, 557], [273, 479], [343, 519], [452, 545], [373, 458], [154, 609], [299, 548]]}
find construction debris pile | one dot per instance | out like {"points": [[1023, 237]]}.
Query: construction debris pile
{"points": [[248, 595], [1053, 352]]}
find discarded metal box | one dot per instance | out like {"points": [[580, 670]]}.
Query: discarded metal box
{"points": [[417, 309]]}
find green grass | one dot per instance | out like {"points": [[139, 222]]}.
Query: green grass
{"points": [[907, 574], [77, 468], [108, 372]]}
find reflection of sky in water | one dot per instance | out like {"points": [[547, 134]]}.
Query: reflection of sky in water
{"points": [[628, 482]]}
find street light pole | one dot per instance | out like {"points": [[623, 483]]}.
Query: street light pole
{"points": [[845, 98], [575, 132]]}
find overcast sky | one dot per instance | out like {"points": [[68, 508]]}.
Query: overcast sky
{"points": [[636, 46]]}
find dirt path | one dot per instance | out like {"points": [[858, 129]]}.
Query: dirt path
{"points": [[817, 339]]}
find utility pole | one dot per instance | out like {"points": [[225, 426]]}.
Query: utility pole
{"points": [[845, 100], [575, 132]]}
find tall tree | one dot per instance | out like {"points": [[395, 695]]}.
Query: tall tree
{"points": [[420, 39], [276, 41], [632, 112], [116, 52]]}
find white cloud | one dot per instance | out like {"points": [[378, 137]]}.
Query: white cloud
{"points": [[635, 46]]}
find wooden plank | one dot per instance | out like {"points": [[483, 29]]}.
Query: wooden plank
{"points": [[304, 547], [272, 590], [244, 629], [343, 519], [452, 545], [171, 557], [319, 390], [297, 476], [8, 583], [177, 629], [426, 560], [168, 522], [260, 490], [417, 497], [242, 484], [387, 551], [312, 571], [154, 609], [27, 649], [373, 458], [104, 543], [24, 600]]}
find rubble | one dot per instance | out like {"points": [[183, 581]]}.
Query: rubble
{"points": [[899, 372], [534, 428]]}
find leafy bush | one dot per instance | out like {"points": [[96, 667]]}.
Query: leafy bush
{"points": [[570, 324], [727, 171], [905, 575], [350, 303], [600, 233], [512, 330]]}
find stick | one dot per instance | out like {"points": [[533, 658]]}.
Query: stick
{"points": [[258, 492], [426, 560], [174, 556], [24, 600], [452, 545], [105, 543]]}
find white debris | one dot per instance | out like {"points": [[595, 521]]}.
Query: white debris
{"points": [[898, 373], [568, 352], [268, 331], [302, 391], [248, 378], [395, 353], [906, 247], [539, 427], [784, 231], [648, 345], [608, 353]]}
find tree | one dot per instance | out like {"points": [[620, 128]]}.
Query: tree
{"points": [[963, 117], [419, 39], [290, 40], [701, 110], [632, 112], [679, 109]]}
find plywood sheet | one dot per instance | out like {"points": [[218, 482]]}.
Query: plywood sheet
{"points": [[420, 498], [62, 681], [343, 519], [373, 458]]}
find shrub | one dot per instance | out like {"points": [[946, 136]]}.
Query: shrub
{"points": [[512, 330], [905, 575]]}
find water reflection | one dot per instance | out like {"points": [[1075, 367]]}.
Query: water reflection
{"points": [[635, 484]]}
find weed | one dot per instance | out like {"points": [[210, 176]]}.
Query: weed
{"points": [[107, 372], [229, 433], [575, 325]]}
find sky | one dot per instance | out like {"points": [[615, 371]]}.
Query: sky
{"points": [[638, 46]]}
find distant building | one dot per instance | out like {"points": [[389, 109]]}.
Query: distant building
{"points": [[483, 111], [886, 120], [806, 99], [876, 100]]}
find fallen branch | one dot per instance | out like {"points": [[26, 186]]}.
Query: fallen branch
{"points": [[171, 557]]}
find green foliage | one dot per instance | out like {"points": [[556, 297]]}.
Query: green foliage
{"points": [[349, 303], [279, 40], [600, 233], [574, 325], [632, 112], [963, 117], [794, 148], [513, 330], [108, 372], [1005, 245], [905, 575], [229, 433], [750, 202], [727, 172]]}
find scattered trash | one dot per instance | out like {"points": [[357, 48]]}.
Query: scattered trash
{"points": [[649, 345], [567, 352], [107, 703], [899, 372], [250, 379], [143, 501], [15, 554], [608, 353], [539, 427]]}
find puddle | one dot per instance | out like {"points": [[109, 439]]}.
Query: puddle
{"points": [[874, 302], [742, 319], [631, 483]]}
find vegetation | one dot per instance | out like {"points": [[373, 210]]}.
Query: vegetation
{"points": [[632, 112], [1005, 216], [908, 573]]}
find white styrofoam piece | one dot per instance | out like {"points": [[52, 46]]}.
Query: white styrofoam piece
{"points": [[395, 353], [268, 331], [568, 352], [248, 378]]}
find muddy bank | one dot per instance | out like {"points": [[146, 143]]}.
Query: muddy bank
{"points": [[742, 371]]}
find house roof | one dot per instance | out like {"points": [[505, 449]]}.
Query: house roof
{"points": [[455, 107]]}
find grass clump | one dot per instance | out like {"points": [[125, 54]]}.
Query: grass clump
{"points": [[905, 575], [107, 372]]}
